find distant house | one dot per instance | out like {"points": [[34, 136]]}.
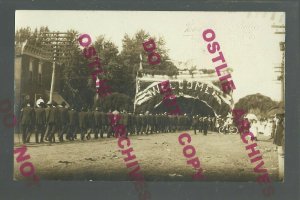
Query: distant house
{"points": [[33, 73]]}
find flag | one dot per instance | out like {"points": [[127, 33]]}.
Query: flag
{"points": [[97, 83], [141, 59]]}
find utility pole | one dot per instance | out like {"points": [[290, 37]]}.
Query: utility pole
{"points": [[58, 44], [137, 81], [281, 77], [281, 68]]}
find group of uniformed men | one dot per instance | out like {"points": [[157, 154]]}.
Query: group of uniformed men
{"points": [[203, 124], [46, 120]]}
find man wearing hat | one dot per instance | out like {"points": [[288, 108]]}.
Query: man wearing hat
{"points": [[205, 125], [151, 122], [172, 123], [73, 123], [279, 141], [27, 120], [104, 124], [130, 123], [83, 117], [90, 123], [63, 120], [97, 122], [124, 120], [139, 123], [160, 123], [195, 123], [40, 122], [157, 122], [47, 112], [52, 121]]}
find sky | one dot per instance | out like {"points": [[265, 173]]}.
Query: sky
{"points": [[247, 39]]}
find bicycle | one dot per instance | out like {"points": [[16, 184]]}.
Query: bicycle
{"points": [[228, 129]]}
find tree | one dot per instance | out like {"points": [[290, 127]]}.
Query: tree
{"points": [[115, 101], [256, 103], [118, 78], [120, 69], [77, 87], [132, 48], [191, 70], [107, 51], [22, 35]]}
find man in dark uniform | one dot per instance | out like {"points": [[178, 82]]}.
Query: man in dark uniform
{"points": [[90, 123], [280, 142], [134, 121], [146, 123], [181, 122], [205, 125], [125, 121], [176, 123], [171, 123], [104, 124], [143, 123], [208, 123], [73, 123], [164, 122], [156, 121], [47, 111], [109, 125], [195, 123], [151, 123], [213, 123], [83, 117], [201, 124], [274, 120], [63, 121], [98, 122], [52, 120], [188, 122], [159, 122], [27, 119], [168, 123], [138, 123], [40, 122], [279, 130], [130, 124]]}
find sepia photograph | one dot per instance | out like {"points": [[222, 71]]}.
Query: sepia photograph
{"points": [[149, 95]]}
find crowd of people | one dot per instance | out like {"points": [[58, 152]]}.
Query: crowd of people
{"points": [[48, 120], [271, 127], [274, 128], [204, 124]]}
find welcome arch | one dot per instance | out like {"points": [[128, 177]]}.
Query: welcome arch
{"points": [[199, 89]]}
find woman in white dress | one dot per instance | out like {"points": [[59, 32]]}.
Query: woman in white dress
{"points": [[254, 128], [268, 129]]}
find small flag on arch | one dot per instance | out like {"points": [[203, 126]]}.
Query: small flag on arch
{"points": [[97, 83]]}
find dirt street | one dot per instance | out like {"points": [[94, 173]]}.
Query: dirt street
{"points": [[222, 157]]}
